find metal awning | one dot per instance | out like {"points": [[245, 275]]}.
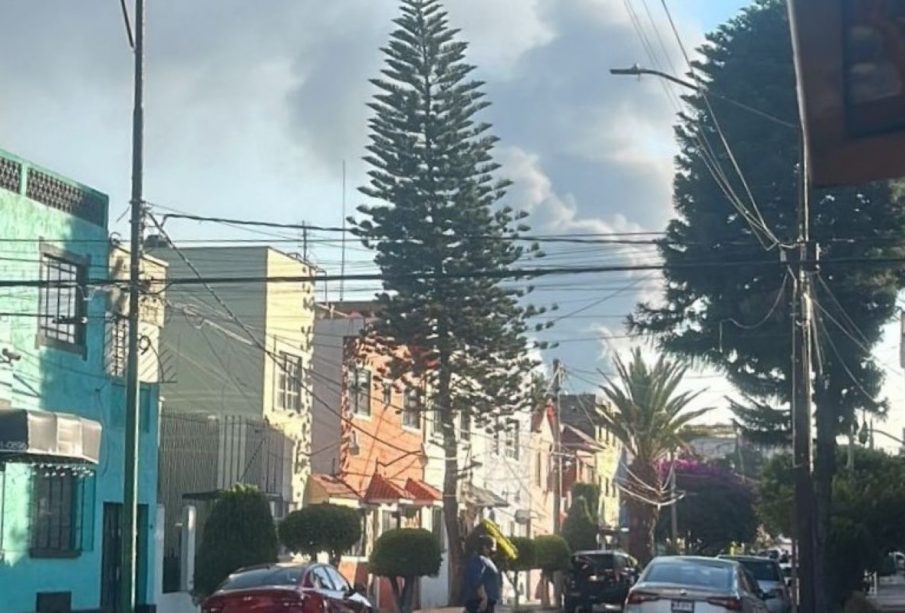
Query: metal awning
{"points": [[35, 436], [481, 498]]}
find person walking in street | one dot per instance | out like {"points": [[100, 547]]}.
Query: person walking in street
{"points": [[482, 578]]}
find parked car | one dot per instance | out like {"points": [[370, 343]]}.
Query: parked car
{"points": [[688, 584], [599, 580], [287, 588], [771, 580]]}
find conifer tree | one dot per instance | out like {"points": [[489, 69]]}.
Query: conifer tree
{"points": [[441, 239]]}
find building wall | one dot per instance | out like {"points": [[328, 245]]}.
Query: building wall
{"points": [[330, 330], [53, 379], [210, 365], [289, 325]]}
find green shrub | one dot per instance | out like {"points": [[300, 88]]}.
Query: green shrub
{"points": [[579, 529], [406, 554], [527, 554], [330, 528], [552, 553], [238, 533]]}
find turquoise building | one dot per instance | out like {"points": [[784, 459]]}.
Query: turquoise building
{"points": [[62, 400]]}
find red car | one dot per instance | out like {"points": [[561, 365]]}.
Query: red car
{"points": [[287, 588]]}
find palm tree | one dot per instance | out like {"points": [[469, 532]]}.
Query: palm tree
{"points": [[648, 416]]}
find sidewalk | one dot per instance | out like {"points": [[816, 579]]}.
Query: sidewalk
{"points": [[890, 596]]}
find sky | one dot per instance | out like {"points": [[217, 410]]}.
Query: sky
{"points": [[254, 113]]}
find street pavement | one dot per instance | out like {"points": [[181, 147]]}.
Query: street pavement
{"points": [[890, 595]]}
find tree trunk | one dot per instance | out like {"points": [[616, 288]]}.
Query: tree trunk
{"points": [[454, 545], [642, 515], [397, 594]]}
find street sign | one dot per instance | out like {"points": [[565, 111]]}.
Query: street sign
{"points": [[852, 56]]}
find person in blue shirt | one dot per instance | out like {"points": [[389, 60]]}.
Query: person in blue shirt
{"points": [[482, 578]]}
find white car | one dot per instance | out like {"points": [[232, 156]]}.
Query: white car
{"points": [[687, 584]]}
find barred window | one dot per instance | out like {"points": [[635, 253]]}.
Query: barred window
{"points": [[411, 412], [62, 302], [289, 382], [358, 387], [55, 516], [512, 441]]}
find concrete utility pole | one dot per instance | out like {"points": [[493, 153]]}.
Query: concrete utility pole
{"points": [[557, 448], [131, 450], [808, 573], [673, 507]]}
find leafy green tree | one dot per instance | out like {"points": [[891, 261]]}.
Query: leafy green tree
{"points": [[648, 415], [591, 493], [866, 520], [329, 528], [552, 556], [717, 508], [442, 239], [239, 532], [737, 317], [579, 528], [402, 556]]}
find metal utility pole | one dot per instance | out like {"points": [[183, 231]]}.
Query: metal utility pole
{"points": [[131, 450], [557, 448]]}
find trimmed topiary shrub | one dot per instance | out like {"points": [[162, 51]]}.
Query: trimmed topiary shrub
{"points": [[328, 528], [402, 556], [239, 532]]}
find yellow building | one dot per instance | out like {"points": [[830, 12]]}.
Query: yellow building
{"points": [[235, 362]]}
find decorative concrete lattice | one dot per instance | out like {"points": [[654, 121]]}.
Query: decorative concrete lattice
{"points": [[64, 197], [10, 175]]}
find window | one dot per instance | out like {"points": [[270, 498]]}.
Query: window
{"points": [[465, 426], [55, 516], [263, 577], [512, 441], [358, 386], [496, 437], [61, 305], [338, 580], [118, 347], [322, 579], [436, 421], [358, 549], [388, 521], [411, 411], [289, 382], [387, 393], [437, 527]]}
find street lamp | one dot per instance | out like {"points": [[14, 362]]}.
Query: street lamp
{"points": [[638, 71]]}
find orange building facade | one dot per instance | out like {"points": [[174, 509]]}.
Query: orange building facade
{"points": [[368, 447]]}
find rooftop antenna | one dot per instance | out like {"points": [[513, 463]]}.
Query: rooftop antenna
{"points": [[342, 261]]}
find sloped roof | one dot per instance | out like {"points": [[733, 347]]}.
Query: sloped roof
{"points": [[381, 489], [334, 487], [548, 411], [573, 438], [423, 492]]}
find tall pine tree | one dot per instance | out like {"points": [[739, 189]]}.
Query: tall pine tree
{"points": [[436, 220], [738, 318]]}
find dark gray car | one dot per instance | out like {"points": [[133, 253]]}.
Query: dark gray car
{"points": [[770, 578]]}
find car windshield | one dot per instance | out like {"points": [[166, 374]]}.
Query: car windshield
{"points": [[593, 562], [698, 574], [261, 577], [762, 570]]}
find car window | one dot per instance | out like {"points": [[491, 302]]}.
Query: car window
{"points": [[338, 580], [698, 574], [322, 579], [261, 577], [763, 570], [745, 581], [593, 562]]}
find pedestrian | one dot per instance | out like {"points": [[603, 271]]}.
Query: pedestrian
{"points": [[482, 578]]}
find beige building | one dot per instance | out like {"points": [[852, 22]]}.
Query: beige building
{"points": [[577, 413], [237, 396]]}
